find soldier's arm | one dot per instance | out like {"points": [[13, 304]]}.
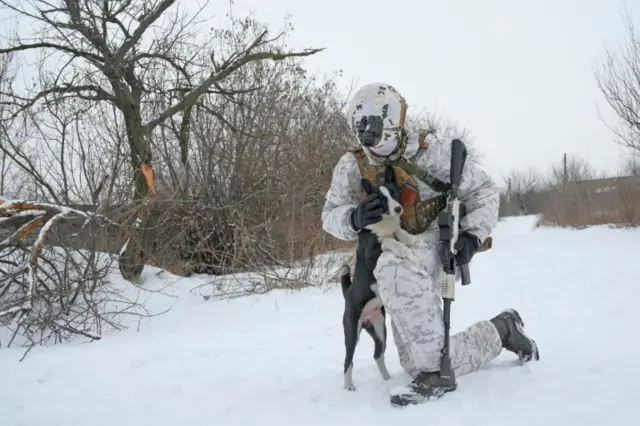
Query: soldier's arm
{"points": [[341, 199], [478, 192]]}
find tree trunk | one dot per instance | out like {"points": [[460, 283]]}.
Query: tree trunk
{"points": [[132, 256]]}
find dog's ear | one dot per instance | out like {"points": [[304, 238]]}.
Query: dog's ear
{"points": [[366, 186], [389, 174]]}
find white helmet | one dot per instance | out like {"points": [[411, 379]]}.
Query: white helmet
{"points": [[375, 116]]}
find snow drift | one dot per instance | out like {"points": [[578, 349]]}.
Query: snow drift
{"points": [[277, 357]]}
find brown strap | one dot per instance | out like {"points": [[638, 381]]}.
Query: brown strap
{"points": [[361, 159], [422, 137], [403, 111], [486, 245]]}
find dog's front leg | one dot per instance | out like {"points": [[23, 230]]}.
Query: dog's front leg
{"points": [[406, 238], [395, 247]]}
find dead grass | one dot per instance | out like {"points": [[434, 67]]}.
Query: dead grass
{"points": [[576, 207]]}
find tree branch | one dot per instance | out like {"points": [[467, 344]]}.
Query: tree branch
{"points": [[144, 25], [223, 73], [101, 95], [46, 45], [166, 58]]}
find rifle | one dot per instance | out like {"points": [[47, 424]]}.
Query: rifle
{"points": [[449, 223]]}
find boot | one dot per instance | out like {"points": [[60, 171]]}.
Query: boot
{"points": [[426, 386], [511, 330]]}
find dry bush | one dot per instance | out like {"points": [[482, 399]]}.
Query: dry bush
{"points": [[628, 197], [257, 163], [587, 199], [148, 59], [616, 204], [250, 193]]}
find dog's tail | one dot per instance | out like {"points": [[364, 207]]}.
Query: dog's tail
{"points": [[345, 278]]}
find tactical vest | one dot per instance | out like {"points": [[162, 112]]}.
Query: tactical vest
{"points": [[417, 214]]}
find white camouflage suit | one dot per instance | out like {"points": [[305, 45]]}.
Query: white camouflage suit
{"points": [[410, 288]]}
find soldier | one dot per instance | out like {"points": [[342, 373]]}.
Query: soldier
{"points": [[410, 288]]}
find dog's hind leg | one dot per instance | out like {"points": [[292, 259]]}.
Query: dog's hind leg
{"points": [[337, 277], [345, 278], [377, 329], [351, 331]]}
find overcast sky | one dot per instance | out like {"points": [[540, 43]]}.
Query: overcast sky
{"points": [[519, 74]]}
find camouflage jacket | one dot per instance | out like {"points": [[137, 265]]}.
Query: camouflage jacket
{"points": [[477, 191]]}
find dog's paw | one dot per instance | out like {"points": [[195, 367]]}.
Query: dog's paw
{"points": [[337, 277], [344, 270], [395, 247], [406, 238], [350, 388], [409, 240]]}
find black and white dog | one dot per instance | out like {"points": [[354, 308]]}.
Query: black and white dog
{"points": [[363, 306]]}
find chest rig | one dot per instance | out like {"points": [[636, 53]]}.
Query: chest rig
{"points": [[418, 214]]}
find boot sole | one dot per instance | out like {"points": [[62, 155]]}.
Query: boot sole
{"points": [[400, 400], [535, 355]]}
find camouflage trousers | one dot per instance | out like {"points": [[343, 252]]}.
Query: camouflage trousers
{"points": [[411, 289]]}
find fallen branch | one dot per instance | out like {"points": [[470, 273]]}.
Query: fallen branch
{"points": [[48, 289]]}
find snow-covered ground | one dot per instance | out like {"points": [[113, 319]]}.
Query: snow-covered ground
{"points": [[277, 358]]}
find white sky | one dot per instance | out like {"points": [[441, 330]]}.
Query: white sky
{"points": [[519, 74]]}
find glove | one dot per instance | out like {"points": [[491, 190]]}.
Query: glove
{"points": [[466, 247], [368, 212]]}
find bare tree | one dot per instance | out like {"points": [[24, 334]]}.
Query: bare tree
{"points": [[444, 129], [12, 179], [137, 56], [618, 78], [522, 188], [631, 166], [574, 169]]}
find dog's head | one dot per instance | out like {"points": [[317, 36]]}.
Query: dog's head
{"points": [[387, 191]]}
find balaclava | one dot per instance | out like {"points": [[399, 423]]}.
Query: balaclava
{"points": [[376, 117]]}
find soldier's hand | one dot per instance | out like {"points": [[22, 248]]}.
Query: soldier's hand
{"points": [[466, 247], [368, 212]]}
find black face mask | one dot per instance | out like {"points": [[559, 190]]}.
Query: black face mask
{"points": [[370, 130]]}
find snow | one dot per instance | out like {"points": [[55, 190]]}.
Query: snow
{"points": [[277, 358]]}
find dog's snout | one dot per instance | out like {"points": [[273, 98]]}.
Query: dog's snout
{"points": [[398, 209]]}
